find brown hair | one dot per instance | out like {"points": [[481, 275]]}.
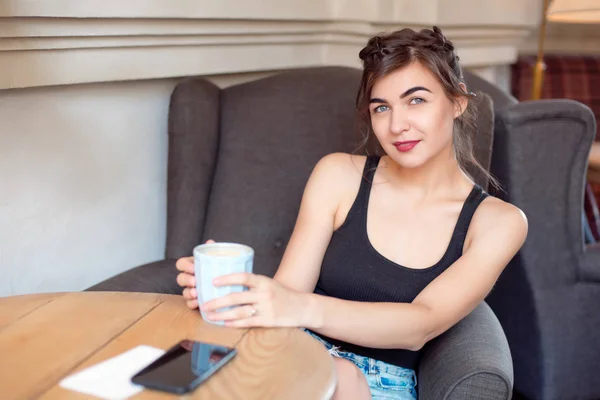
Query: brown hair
{"points": [[387, 53]]}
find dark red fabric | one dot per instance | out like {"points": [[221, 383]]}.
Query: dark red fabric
{"points": [[575, 77]]}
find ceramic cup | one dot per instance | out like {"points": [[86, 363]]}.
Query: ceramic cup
{"points": [[212, 260]]}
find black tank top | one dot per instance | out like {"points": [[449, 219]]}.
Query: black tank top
{"points": [[353, 270]]}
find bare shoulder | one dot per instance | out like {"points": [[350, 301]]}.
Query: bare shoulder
{"points": [[342, 162], [330, 183], [494, 210], [340, 170], [495, 217]]}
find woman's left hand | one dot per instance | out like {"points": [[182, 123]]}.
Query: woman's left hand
{"points": [[265, 303]]}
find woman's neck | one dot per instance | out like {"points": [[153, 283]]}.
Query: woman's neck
{"points": [[440, 176]]}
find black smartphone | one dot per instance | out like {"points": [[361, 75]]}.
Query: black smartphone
{"points": [[184, 366]]}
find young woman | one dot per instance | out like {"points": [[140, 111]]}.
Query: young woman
{"points": [[387, 252]]}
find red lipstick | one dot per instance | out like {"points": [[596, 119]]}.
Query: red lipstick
{"points": [[407, 145]]}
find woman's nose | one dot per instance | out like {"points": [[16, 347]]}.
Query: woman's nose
{"points": [[399, 121]]}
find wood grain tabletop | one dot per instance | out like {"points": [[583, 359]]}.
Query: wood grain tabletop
{"points": [[46, 337]]}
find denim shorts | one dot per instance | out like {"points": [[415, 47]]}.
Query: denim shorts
{"points": [[386, 381]]}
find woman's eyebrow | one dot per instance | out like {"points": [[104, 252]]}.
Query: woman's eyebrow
{"points": [[412, 90], [377, 100], [403, 95]]}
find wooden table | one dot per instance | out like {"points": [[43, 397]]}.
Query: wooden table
{"points": [[46, 337]]}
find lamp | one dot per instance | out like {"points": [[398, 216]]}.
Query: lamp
{"points": [[572, 11], [575, 11]]}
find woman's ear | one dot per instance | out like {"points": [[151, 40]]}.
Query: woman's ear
{"points": [[461, 103]]}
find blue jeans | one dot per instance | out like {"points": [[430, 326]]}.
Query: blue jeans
{"points": [[386, 381]]}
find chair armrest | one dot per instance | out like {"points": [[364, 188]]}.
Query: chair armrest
{"points": [[471, 360], [155, 277]]}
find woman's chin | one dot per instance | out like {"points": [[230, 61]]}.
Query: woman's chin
{"points": [[408, 161]]}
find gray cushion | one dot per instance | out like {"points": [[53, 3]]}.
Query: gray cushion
{"points": [[273, 132], [481, 386], [471, 360], [156, 277]]}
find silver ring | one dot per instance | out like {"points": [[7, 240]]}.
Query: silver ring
{"points": [[253, 312]]}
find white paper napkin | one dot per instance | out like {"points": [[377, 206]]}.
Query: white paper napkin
{"points": [[111, 379]]}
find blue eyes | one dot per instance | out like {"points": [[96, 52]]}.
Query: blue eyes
{"points": [[414, 101], [380, 109]]}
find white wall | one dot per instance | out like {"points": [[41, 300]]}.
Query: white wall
{"points": [[562, 38], [84, 90], [82, 183]]}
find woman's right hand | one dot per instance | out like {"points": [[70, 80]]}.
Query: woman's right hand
{"points": [[187, 280]]}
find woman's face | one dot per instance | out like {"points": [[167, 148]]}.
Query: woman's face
{"points": [[412, 117]]}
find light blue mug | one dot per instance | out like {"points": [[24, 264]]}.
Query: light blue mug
{"points": [[212, 260]]}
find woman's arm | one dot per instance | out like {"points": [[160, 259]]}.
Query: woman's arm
{"points": [[497, 236]]}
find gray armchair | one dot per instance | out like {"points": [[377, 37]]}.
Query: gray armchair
{"points": [[238, 162], [548, 297]]}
